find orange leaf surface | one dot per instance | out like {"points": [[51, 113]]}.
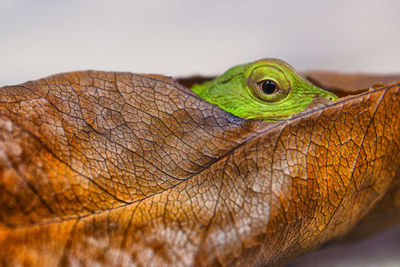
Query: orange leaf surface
{"points": [[121, 169]]}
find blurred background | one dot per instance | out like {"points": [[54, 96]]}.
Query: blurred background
{"points": [[183, 38]]}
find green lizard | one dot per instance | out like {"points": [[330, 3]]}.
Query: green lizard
{"points": [[264, 89]]}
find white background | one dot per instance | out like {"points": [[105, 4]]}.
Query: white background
{"points": [[180, 38]]}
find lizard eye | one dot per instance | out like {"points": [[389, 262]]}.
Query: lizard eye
{"points": [[269, 87], [268, 83]]}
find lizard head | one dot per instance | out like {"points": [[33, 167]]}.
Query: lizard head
{"points": [[264, 89]]}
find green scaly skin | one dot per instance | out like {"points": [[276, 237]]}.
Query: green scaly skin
{"points": [[239, 91]]}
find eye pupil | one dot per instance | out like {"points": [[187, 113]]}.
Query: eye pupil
{"points": [[269, 87]]}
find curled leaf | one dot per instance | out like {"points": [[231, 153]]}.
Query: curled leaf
{"points": [[122, 169]]}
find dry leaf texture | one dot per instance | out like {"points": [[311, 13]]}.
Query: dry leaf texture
{"points": [[121, 169]]}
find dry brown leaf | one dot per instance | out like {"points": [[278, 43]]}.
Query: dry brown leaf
{"points": [[120, 169]]}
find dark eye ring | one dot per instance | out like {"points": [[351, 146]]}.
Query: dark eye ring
{"points": [[269, 87]]}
